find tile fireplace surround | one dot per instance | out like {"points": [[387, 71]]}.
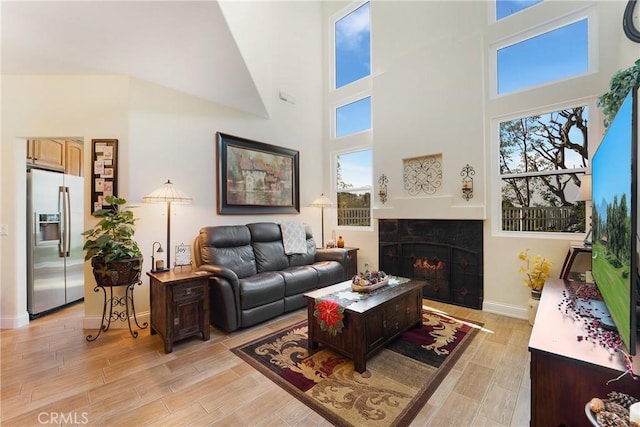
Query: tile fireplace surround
{"points": [[447, 254]]}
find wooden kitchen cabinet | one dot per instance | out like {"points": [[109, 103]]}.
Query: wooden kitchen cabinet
{"points": [[74, 157], [64, 155], [46, 153]]}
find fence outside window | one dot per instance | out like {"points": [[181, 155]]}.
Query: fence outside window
{"points": [[538, 218], [359, 217]]}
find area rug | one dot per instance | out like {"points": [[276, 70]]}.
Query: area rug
{"points": [[398, 381]]}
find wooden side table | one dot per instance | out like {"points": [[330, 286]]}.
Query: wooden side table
{"points": [[575, 248], [352, 262], [179, 305]]}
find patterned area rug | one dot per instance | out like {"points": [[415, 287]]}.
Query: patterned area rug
{"points": [[398, 381]]}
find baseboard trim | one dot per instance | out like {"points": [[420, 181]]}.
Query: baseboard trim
{"points": [[94, 322], [13, 322], [508, 310]]}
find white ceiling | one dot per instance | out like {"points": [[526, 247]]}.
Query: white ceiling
{"points": [[183, 45]]}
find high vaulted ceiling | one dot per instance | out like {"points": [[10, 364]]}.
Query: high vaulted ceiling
{"points": [[182, 45]]}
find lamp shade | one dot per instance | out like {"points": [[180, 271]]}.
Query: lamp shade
{"points": [[585, 189], [167, 193], [322, 202]]}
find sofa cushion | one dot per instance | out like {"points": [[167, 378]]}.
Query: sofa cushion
{"points": [[260, 289], [299, 279], [329, 272], [229, 246], [268, 249]]}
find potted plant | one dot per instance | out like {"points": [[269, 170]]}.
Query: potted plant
{"points": [[621, 83], [115, 256]]}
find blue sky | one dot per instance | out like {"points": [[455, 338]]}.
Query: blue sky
{"points": [[505, 8], [353, 46], [544, 58], [359, 163]]}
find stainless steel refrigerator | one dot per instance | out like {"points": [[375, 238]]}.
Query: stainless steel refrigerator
{"points": [[55, 222]]}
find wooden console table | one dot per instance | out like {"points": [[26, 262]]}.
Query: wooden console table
{"points": [[566, 373]]}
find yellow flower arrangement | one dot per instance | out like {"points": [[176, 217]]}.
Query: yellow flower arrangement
{"points": [[536, 270]]}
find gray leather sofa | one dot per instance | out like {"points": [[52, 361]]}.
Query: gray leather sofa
{"points": [[254, 280]]}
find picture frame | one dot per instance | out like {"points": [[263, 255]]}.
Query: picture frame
{"points": [[104, 171], [255, 177], [182, 256]]}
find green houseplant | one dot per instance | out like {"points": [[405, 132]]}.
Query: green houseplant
{"points": [[115, 256], [621, 83]]}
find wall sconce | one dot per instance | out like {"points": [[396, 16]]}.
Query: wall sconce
{"points": [[159, 266], [467, 182], [382, 188]]}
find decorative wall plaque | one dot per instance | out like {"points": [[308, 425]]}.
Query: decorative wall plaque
{"points": [[423, 175]]}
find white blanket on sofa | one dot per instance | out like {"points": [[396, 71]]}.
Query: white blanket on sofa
{"points": [[294, 237]]}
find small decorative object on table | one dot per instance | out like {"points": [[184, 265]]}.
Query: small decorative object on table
{"points": [[340, 242], [536, 271], [618, 410], [369, 281]]}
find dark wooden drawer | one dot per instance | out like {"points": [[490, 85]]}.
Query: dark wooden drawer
{"points": [[188, 291]]}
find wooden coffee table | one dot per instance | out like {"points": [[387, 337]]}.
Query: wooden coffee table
{"points": [[368, 323]]}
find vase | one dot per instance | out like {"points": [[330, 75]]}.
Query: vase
{"points": [[534, 301]]}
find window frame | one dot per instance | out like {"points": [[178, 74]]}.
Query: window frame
{"points": [[587, 13], [496, 177]]}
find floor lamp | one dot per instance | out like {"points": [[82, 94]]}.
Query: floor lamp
{"points": [[322, 202], [168, 194]]}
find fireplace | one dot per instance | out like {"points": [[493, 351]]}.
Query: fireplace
{"points": [[446, 254]]}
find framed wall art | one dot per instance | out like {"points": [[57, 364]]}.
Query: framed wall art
{"points": [[104, 171], [256, 178]]}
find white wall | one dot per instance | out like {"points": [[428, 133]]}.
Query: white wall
{"points": [[430, 95], [163, 134], [47, 106]]}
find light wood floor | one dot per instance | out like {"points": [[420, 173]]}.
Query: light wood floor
{"points": [[51, 375]]}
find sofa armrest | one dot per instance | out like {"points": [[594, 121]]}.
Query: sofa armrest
{"points": [[221, 271], [224, 295], [333, 254]]}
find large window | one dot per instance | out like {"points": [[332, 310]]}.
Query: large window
{"points": [[550, 56], [353, 46], [353, 183], [542, 161]]}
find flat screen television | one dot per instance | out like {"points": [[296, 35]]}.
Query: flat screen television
{"points": [[615, 240]]}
